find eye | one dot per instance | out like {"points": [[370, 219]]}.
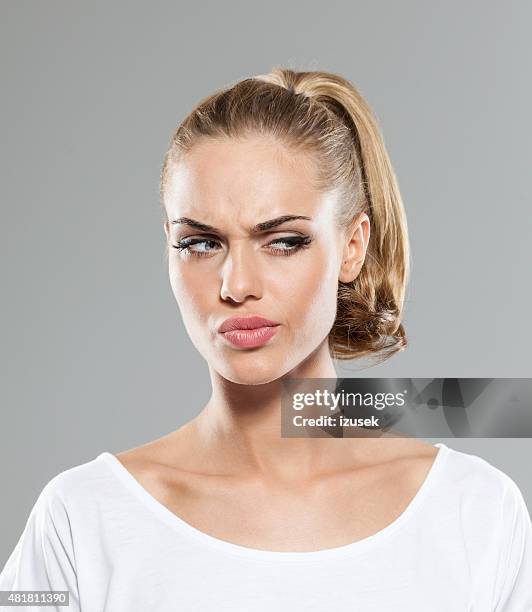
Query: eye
{"points": [[186, 244], [292, 244], [280, 246]]}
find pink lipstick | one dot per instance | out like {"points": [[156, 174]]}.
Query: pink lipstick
{"points": [[248, 332]]}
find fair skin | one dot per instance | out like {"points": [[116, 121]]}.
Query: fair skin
{"points": [[228, 471]]}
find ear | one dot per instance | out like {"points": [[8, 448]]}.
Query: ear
{"points": [[354, 252], [166, 230]]}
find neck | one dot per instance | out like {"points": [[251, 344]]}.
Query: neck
{"points": [[241, 427]]}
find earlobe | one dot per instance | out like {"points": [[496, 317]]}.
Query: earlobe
{"points": [[349, 272], [352, 265]]}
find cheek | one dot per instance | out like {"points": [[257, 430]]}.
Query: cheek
{"points": [[189, 291], [312, 293]]}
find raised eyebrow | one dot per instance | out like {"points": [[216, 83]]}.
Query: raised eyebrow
{"points": [[260, 227]]}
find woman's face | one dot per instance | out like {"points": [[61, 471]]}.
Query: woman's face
{"points": [[287, 273]]}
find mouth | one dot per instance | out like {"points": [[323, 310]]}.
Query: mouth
{"points": [[248, 332], [250, 338]]}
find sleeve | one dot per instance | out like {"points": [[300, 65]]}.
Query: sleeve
{"points": [[514, 582], [43, 558]]}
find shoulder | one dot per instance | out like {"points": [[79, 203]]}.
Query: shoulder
{"points": [[471, 472], [75, 486], [46, 552], [495, 521], [480, 488]]}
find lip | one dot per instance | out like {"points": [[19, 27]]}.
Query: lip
{"points": [[248, 332], [251, 322]]}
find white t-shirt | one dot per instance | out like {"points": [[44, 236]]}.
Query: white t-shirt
{"points": [[463, 544]]}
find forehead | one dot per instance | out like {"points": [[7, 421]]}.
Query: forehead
{"points": [[243, 180]]}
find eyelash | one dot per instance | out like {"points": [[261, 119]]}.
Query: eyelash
{"points": [[297, 242]]}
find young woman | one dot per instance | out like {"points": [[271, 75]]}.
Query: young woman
{"points": [[287, 247]]}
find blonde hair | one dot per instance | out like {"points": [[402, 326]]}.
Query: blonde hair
{"points": [[324, 113]]}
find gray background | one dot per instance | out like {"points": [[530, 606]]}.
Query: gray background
{"points": [[95, 356]]}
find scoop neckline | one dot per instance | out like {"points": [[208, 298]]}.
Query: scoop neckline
{"points": [[352, 548]]}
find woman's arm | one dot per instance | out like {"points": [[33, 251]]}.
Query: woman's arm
{"points": [[43, 558], [514, 580]]}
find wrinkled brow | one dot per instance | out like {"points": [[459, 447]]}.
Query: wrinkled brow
{"points": [[260, 227]]}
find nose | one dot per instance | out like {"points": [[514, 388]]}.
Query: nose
{"points": [[240, 275]]}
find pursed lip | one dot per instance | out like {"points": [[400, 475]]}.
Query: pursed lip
{"points": [[250, 322]]}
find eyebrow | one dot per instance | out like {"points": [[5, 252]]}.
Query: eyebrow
{"points": [[260, 227]]}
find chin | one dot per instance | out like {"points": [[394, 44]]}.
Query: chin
{"points": [[250, 380], [251, 371]]}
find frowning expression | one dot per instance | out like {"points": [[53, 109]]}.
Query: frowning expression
{"points": [[249, 234]]}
